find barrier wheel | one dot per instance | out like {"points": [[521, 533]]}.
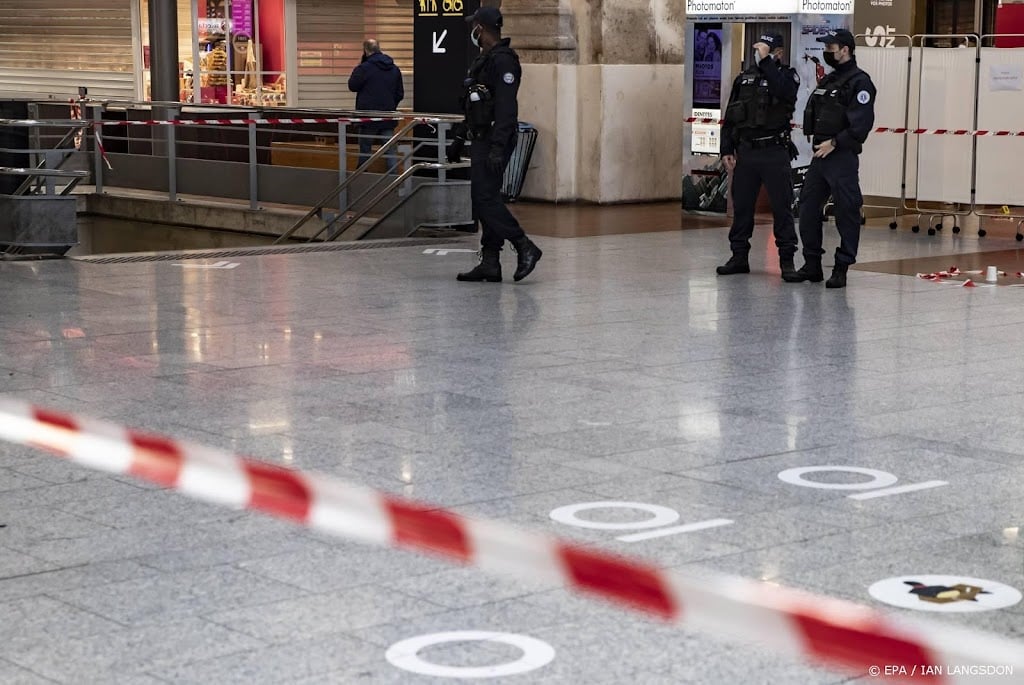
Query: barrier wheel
{"points": [[956, 230], [863, 221], [1020, 237], [938, 227], [915, 229], [893, 225], [931, 231], [982, 232]]}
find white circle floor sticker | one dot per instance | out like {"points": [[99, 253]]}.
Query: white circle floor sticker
{"points": [[879, 479], [952, 594], [405, 654], [660, 516]]}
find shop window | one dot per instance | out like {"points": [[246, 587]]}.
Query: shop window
{"points": [[231, 52]]}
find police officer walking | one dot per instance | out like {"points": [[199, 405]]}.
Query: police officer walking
{"points": [[757, 149], [492, 124], [839, 117]]}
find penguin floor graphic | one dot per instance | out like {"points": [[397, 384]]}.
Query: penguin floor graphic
{"points": [[951, 594], [943, 594]]}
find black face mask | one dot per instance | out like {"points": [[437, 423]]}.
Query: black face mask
{"points": [[831, 59]]}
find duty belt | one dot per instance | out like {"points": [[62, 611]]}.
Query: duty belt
{"points": [[779, 139]]}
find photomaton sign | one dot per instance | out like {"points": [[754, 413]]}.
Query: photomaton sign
{"points": [[722, 8], [826, 6]]}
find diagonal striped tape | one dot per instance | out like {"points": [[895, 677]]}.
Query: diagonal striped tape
{"points": [[821, 630]]}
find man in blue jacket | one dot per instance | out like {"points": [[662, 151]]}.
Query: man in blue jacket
{"points": [[377, 82]]}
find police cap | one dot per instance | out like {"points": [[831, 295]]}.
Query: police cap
{"points": [[488, 17], [838, 37]]}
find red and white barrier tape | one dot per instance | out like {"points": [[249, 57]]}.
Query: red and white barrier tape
{"points": [[266, 121], [102, 148], [230, 122], [899, 130], [955, 272], [281, 121], [827, 631]]}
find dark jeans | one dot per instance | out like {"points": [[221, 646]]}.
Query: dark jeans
{"points": [[496, 223], [367, 139], [769, 166], [837, 175]]}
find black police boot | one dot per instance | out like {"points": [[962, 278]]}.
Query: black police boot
{"points": [[528, 255], [788, 270], [838, 279], [489, 268], [810, 271], [737, 264]]}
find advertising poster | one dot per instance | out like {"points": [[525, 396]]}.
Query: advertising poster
{"points": [[707, 66], [706, 59], [882, 20], [809, 61]]}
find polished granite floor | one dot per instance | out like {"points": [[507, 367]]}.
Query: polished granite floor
{"points": [[622, 370]]}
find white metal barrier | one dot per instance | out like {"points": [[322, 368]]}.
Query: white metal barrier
{"points": [[966, 90], [884, 160], [1000, 104]]}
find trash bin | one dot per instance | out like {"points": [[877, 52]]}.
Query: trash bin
{"points": [[515, 172]]}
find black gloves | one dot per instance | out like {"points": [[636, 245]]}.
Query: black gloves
{"points": [[496, 161], [458, 144], [455, 149]]}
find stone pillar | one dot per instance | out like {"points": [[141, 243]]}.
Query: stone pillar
{"points": [[603, 82]]}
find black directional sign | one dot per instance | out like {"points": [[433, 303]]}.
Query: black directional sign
{"points": [[442, 51]]}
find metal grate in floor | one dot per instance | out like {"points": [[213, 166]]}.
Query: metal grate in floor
{"points": [[134, 257]]}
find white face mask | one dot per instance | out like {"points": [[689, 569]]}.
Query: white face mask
{"points": [[475, 37]]}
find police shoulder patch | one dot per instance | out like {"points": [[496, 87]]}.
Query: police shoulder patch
{"points": [[509, 78], [863, 97]]}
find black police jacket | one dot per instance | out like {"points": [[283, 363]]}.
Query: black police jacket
{"points": [[782, 84], [842, 108], [499, 72]]}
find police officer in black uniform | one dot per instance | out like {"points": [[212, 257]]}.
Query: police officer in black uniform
{"points": [[492, 124], [756, 149], [839, 117]]}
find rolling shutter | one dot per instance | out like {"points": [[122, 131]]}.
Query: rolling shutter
{"points": [[50, 47], [330, 44]]}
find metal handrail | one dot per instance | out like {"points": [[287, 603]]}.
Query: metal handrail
{"points": [[420, 166], [55, 173], [75, 176], [369, 189], [35, 123], [339, 197], [340, 188], [27, 183]]}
